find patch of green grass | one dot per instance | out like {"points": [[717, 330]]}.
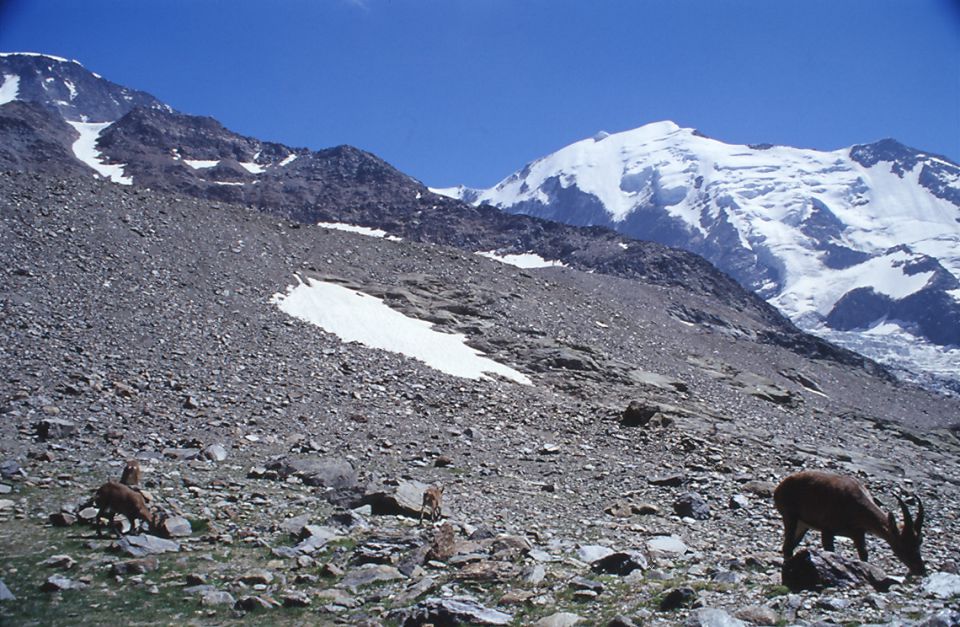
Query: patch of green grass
{"points": [[771, 592]]}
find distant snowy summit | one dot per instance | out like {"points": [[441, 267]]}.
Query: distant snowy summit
{"points": [[861, 245]]}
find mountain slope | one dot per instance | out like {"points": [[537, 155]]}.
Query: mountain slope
{"points": [[864, 240], [157, 148]]}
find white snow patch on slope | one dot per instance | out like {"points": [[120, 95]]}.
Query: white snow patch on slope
{"points": [[288, 160], [357, 317], [85, 149], [199, 164], [450, 192], [10, 88], [523, 260], [253, 168], [362, 230]]}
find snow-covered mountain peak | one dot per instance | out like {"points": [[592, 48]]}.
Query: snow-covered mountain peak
{"points": [[803, 228]]}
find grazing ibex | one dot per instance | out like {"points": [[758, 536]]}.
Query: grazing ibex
{"points": [[131, 473], [431, 500], [116, 498], [840, 506]]}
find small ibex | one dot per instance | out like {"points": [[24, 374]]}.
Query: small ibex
{"points": [[131, 473], [116, 498], [431, 501], [837, 505]]}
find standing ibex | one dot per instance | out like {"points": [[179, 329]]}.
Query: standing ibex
{"points": [[840, 506], [431, 502], [116, 498]]}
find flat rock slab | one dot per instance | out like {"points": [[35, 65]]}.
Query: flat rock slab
{"points": [[368, 574], [560, 619], [453, 611], [142, 545], [671, 545]]}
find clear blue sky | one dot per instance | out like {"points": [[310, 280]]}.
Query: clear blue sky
{"points": [[468, 91]]}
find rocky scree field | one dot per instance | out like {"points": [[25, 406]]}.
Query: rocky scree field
{"points": [[629, 484]]}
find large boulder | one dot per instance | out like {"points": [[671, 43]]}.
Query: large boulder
{"points": [[405, 498], [816, 570], [326, 473]]}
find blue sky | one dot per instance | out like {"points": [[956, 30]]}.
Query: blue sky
{"points": [[453, 91]]}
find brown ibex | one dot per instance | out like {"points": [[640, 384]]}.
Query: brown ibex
{"points": [[837, 505], [431, 501], [116, 498], [131, 473]]}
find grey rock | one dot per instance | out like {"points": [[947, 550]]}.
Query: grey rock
{"points": [[758, 615], [638, 414], [10, 468], [55, 428], [671, 545], [739, 501], [295, 598], [62, 519], [673, 480], [816, 570], [214, 453], [368, 574], [255, 603], [942, 585], [59, 561], [692, 505], [406, 498], [592, 552], [452, 611], [943, 618], [145, 544], [135, 566], [257, 576], [56, 583], [560, 619], [712, 617], [5, 594], [212, 598], [315, 471], [294, 526], [175, 527]]}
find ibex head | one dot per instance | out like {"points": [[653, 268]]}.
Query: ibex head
{"points": [[905, 539]]}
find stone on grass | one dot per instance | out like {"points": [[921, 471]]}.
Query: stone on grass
{"points": [[620, 563], [175, 527], [5, 594], [217, 597], [56, 583], [592, 552], [758, 615], [145, 544]]}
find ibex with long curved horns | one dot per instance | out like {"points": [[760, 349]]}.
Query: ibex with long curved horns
{"points": [[837, 505]]}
